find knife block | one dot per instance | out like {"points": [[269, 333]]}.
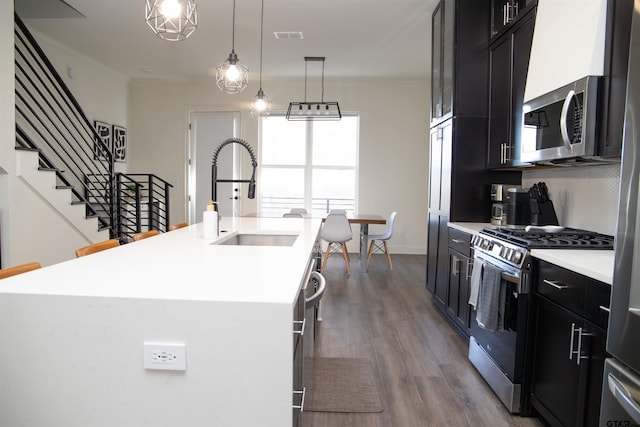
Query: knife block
{"points": [[543, 213]]}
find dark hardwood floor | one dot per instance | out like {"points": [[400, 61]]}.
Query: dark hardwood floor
{"points": [[425, 378]]}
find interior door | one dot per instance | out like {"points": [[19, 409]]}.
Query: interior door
{"points": [[208, 131]]}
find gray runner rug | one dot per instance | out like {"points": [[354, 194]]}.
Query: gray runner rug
{"points": [[340, 385]]}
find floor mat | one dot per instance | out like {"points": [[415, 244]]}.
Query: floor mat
{"points": [[340, 385]]}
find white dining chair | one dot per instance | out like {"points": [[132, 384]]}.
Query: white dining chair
{"points": [[292, 215], [379, 241], [336, 231], [301, 211]]}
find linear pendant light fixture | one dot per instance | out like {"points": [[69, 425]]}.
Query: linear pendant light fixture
{"points": [[313, 110], [171, 20], [261, 103], [232, 76]]}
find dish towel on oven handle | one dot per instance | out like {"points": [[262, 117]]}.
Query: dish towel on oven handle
{"points": [[476, 278], [491, 300]]}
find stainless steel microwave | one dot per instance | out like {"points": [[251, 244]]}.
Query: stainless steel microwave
{"points": [[562, 124]]}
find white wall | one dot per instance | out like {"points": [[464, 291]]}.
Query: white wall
{"points": [[393, 150], [29, 230]]}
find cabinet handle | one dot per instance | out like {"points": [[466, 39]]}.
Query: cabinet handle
{"points": [[469, 269], [303, 393], [455, 261], [507, 152], [457, 241], [302, 324], [605, 309], [554, 284], [571, 339]]}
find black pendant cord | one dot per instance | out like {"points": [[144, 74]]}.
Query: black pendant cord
{"points": [[261, 34], [305, 80]]}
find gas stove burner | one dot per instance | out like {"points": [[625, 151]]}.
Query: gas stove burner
{"points": [[568, 238]]}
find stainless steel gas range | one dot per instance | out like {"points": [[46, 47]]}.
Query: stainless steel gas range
{"points": [[501, 286]]}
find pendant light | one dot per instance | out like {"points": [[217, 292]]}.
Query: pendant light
{"points": [[232, 76], [171, 20], [261, 103], [316, 110]]}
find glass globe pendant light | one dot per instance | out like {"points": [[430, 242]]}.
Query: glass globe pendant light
{"points": [[261, 104], [232, 76], [171, 20]]}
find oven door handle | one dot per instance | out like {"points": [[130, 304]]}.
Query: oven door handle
{"points": [[512, 278]]}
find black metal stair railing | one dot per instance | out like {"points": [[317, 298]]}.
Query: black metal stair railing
{"points": [[50, 120], [142, 204]]}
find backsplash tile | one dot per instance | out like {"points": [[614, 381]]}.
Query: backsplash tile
{"points": [[583, 197]]}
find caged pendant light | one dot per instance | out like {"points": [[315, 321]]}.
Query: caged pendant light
{"points": [[313, 110], [261, 103], [232, 76], [171, 20]]}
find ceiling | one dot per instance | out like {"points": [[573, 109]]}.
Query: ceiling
{"points": [[359, 38]]}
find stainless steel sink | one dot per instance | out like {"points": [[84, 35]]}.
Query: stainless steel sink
{"points": [[260, 240]]}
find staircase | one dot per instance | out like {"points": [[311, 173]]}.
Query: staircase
{"points": [[67, 163]]}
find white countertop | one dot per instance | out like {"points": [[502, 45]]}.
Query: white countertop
{"points": [[596, 264], [182, 265]]}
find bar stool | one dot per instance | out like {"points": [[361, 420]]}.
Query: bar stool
{"points": [[19, 269], [177, 226], [97, 247], [145, 234]]}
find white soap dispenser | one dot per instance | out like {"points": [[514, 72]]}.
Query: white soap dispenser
{"points": [[210, 221]]}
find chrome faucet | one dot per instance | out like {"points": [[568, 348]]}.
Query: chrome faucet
{"points": [[214, 169]]}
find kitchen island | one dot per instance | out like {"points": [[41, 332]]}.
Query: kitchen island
{"points": [[73, 334]]}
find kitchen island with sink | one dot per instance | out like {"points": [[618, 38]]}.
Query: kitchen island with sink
{"points": [[171, 330]]}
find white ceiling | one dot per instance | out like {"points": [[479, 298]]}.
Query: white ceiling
{"points": [[359, 38]]}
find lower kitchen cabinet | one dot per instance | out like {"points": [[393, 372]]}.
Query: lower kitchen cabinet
{"points": [[569, 347], [460, 264]]}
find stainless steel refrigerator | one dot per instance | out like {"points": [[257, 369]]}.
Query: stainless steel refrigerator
{"points": [[621, 387]]}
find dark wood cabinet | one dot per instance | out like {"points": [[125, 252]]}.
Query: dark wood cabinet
{"points": [[508, 65], [505, 13], [569, 346], [460, 264], [459, 181]]}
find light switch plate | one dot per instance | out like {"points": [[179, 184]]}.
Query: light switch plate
{"points": [[165, 356]]}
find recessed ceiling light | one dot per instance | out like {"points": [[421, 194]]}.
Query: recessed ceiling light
{"points": [[288, 34], [146, 70]]}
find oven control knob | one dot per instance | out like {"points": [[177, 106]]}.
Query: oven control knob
{"points": [[517, 257]]}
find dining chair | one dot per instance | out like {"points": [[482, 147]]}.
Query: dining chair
{"points": [[177, 226], [97, 247], [18, 269], [379, 241], [302, 211], [338, 211], [292, 215], [336, 231], [144, 235]]}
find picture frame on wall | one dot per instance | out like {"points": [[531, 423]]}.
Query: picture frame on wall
{"points": [[119, 136], [104, 133]]}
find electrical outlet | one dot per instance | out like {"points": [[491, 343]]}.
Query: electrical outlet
{"points": [[165, 356]]}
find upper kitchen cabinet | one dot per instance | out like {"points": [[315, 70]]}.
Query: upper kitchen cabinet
{"points": [[505, 13], [458, 37], [508, 64]]}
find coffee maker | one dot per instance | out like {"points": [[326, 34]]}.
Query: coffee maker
{"points": [[499, 207]]}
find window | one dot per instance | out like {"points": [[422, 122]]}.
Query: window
{"points": [[311, 164]]}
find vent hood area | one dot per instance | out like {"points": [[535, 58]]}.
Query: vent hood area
{"points": [[568, 44]]}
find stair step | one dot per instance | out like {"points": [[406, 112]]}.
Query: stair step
{"points": [[77, 202], [64, 187], [21, 148], [41, 168]]}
